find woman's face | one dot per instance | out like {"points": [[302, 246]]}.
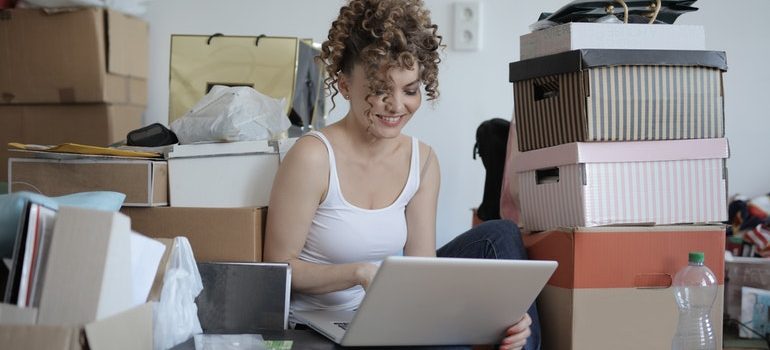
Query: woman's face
{"points": [[390, 111]]}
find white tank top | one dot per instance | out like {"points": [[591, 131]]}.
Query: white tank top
{"points": [[344, 233]]}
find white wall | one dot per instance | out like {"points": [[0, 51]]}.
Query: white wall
{"points": [[474, 85]]}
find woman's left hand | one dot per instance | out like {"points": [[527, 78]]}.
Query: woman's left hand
{"points": [[516, 335]]}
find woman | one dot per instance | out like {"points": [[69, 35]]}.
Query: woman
{"points": [[359, 190]]}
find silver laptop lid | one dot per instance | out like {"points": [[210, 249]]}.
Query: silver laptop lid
{"points": [[446, 301]]}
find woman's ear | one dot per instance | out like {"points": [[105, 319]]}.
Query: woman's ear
{"points": [[343, 85]]}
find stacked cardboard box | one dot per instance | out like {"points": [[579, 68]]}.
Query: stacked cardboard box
{"points": [[618, 148], [74, 76]]}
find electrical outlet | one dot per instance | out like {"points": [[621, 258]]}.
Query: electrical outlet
{"points": [[467, 26]]}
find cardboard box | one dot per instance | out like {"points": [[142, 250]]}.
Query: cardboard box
{"points": [[84, 55], [618, 95], [586, 184], [129, 330], [143, 181], [215, 234], [743, 272], [244, 297], [222, 175], [576, 35], [89, 124], [612, 289]]}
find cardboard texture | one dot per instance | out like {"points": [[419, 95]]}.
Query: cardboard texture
{"points": [[88, 274], [244, 297], [575, 35], [132, 329], [615, 183], [222, 175], [144, 182], [84, 55], [612, 289], [88, 124], [618, 95], [280, 67], [215, 234]]}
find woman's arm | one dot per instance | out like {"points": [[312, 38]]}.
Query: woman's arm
{"points": [[421, 210], [298, 189]]}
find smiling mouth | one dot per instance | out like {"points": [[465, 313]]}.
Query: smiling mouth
{"points": [[390, 119]]}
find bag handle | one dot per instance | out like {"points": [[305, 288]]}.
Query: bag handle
{"points": [[655, 7]]}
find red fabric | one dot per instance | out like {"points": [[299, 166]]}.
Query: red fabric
{"points": [[7, 4]]}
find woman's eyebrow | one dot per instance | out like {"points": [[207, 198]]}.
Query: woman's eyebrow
{"points": [[412, 83]]}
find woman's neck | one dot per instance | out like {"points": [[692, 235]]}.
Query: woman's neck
{"points": [[362, 140]]}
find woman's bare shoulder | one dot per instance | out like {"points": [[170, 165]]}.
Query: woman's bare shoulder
{"points": [[309, 152]]}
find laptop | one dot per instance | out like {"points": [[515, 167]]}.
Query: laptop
{"points": [[436, 301]]}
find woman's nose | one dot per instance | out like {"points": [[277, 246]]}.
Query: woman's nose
{"points": [[395, 103]]}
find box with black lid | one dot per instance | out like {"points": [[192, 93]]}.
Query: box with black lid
{"points": [[618, 95]]}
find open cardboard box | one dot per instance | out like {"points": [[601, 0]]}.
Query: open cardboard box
{"points": [[87, 296], [132, 329]]}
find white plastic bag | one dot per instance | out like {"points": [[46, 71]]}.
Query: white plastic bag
{"points": [[232, 114], [176, 315]]}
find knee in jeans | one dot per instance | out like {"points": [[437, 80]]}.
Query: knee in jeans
{"points": [[506, 237]]}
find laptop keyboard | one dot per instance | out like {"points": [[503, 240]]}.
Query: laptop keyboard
{"points": [[343, 325]]}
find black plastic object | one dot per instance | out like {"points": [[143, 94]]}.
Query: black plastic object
{"points": [[153, 135], [638, 10], [491, 144]]}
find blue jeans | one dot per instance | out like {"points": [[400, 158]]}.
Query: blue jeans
{"points": [[495, 239]]}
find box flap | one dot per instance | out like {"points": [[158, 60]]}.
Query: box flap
{"points": [[577, 60], [12, 314], [16, 337], [616, 152], [89, 269], [220, 149], [127, 39], [129, 330]]}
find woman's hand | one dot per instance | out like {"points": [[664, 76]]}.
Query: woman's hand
{"points": [[364, 274], [516, 335]]}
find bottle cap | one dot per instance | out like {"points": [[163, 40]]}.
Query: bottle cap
{"points": [[696, 257]]}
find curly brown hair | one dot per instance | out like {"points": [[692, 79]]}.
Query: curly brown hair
{"points": [[381, 35]]}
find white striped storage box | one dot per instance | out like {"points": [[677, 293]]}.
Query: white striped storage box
{"points": [[619, 183], [618, 95]]}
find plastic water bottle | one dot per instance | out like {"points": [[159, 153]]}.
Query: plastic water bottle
{"points": [[695, 288]]}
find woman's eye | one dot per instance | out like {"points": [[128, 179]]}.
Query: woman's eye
{"points": [[411, 92]]}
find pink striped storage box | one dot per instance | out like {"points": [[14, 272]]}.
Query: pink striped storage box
{"points": [[586, 184]]}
